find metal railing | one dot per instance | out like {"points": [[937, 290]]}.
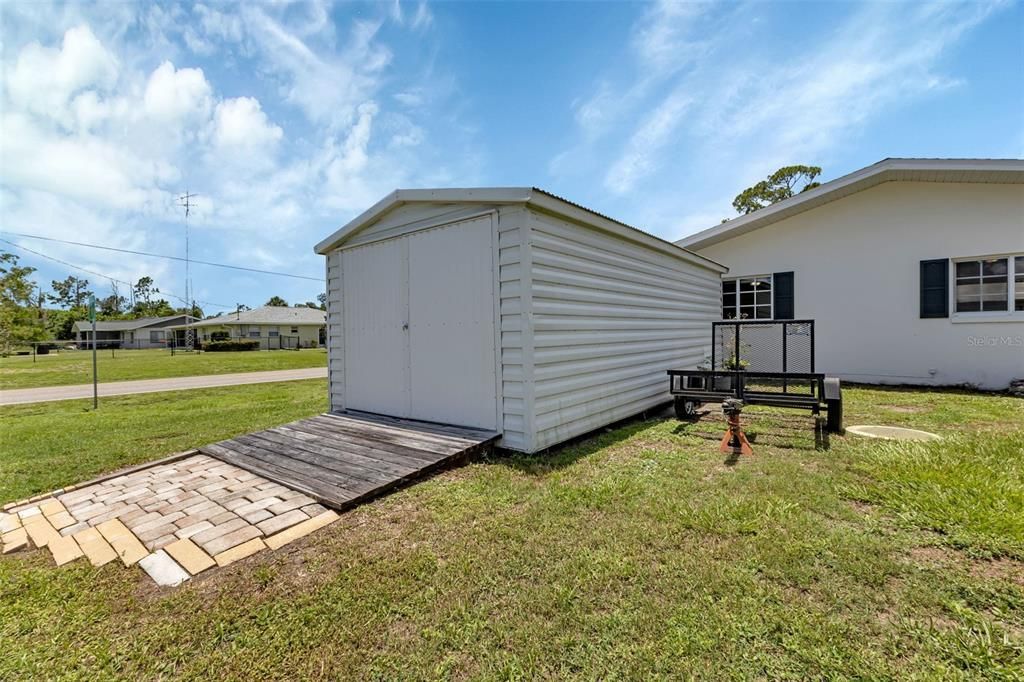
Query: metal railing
{"points": [[763, 346]]}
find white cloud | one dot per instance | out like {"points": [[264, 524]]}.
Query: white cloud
{"points": [[664, 38], [297, 123], [242, 129], [423, 17], [694, 111], [639, 158], [44, 78], [177, 95]]}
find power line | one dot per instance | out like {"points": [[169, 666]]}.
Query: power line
{"points": [[161, 255], [112, 279]]}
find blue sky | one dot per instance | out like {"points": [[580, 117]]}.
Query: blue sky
{"points": [[289, 119]]}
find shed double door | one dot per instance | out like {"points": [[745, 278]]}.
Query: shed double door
{"points": [[419, 326]]}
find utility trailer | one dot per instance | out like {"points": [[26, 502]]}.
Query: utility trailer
{"points": [[761, 362]]}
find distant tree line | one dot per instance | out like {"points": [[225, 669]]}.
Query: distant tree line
{"points": [[28, 314]]}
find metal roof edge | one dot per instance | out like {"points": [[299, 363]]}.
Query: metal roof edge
{"points": [[869, 175], [507, 195]]}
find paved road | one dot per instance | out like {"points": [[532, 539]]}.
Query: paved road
{"points": [[49, 393]]}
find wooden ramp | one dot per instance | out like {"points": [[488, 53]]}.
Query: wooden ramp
{"points": [[345, 458]]}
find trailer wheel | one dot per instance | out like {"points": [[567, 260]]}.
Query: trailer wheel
{"points": [[686, 409], [834, 422]]}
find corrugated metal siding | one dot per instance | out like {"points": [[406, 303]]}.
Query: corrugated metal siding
{"points": [[608, 318], [510, 311], [335, 332]]}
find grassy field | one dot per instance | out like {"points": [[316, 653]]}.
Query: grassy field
{"points": [[639, 553], [48, 445], [75, 367]]}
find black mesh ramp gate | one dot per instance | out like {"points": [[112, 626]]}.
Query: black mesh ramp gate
{"points": [[769, 346]]}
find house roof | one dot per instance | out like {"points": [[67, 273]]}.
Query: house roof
{"points": [[124, 325], [492, 196], [915, 170], [272, 315]]}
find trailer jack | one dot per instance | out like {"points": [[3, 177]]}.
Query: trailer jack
{"points": [[734, 441]]}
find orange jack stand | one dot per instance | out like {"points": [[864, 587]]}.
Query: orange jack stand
{"points": [[734, 441]]}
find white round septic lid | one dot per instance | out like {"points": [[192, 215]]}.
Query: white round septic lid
{"points": [[891, 433]]}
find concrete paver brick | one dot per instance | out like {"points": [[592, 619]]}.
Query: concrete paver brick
{"points": [[95, 547], [71, 530], [14, 540], [162, 541], [189, 531], [223, 518], [65, 549], [189, 556], [241, 551], [218, 530], [289, 504], [40, 530], [153, 533], [51, 507], [301, 529], [278, 523], [29, 513], [314, 510], [163, 569], [129, 549], [257, 505], [257, 516], [62, 520], [273, 491], [9, 522], [235, 503], [229, 540]]}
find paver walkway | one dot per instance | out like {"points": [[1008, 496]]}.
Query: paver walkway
{"points": [[174, 518], [50, 393]]}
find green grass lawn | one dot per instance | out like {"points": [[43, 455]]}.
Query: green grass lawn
{"points": [[639, 553], [75, 367]]}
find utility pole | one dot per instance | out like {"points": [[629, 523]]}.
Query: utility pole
{"points": [[185, 200], [92, 318]]}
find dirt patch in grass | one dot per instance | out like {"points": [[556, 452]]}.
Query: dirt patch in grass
{"points": [[998, 569], [903, 409], [933, 557]]}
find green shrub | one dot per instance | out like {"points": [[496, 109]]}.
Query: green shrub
{"points": [[237, 344]]}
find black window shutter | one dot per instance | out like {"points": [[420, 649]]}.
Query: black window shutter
{"points": [[935, 288], [782, 285]]}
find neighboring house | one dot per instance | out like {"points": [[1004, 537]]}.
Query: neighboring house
{"points": [[912, 268], [145, 332], [512, 310], [273, 326]]}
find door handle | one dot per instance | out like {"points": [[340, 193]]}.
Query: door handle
{"points": [[405, 326]]}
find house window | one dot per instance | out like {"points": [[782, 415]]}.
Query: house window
{"points": [[989, 284], [156, 336], [747, 298], [254, 332], [273, 331], [1018, 279], [295, 330]]}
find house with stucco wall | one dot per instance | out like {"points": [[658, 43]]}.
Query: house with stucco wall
{"points": [[913, 270], [274, 327]]}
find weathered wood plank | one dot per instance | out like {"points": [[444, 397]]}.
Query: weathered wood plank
{"points": [[371, 448], [319, 453], [460, 432], [384, 434], [343, 459], [332, 496], [313, 476]]}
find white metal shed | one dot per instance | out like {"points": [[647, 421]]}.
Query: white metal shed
{"points": [[509, 309]]}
